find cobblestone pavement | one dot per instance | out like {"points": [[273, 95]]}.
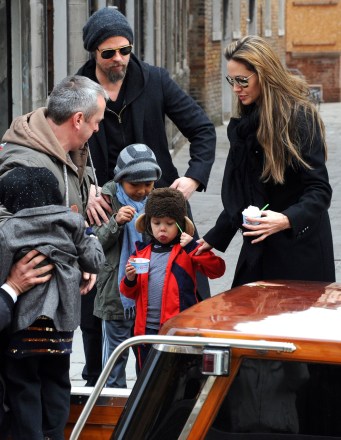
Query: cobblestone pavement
{"points": [[206, 207]]}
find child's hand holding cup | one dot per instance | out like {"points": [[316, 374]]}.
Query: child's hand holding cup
{"points": [[130, 271], [140, 265]]}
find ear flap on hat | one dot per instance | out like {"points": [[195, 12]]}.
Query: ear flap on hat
{"points": [[140, 224], [189, 226]]}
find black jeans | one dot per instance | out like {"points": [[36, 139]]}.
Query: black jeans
{"points": [[38, 391], [91, 328]]}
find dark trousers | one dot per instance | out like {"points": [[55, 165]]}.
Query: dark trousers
{"points": [[143, 350], [91, 328], [38, 391]]}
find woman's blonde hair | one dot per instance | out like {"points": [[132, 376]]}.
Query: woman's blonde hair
{"points": [[283, 102]]}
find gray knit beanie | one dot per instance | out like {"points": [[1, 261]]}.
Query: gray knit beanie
{"points": [[137, 163], [103, 24]]}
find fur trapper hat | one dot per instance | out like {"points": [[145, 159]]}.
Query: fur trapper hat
{"points": [[165, 202], [137, 163], [29, 187], [103, 24]]}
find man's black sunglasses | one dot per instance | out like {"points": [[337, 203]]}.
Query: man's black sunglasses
{"points": [[106, 54]]}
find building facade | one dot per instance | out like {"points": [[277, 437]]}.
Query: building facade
{"points": [[41, 43], [313, 43]]}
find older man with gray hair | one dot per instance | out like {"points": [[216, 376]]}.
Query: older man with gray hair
{"points": [[56, 137]]}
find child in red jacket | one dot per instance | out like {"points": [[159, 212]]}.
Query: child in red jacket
{"points": [[170, 285]]}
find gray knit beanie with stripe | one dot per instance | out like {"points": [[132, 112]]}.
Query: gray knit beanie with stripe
{"points": [[137, 163], [103, 24]]}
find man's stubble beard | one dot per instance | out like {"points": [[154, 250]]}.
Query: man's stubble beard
{"points": [[116, 76]]}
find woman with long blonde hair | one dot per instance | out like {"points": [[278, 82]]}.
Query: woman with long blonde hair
{"points": [[277, 158]]}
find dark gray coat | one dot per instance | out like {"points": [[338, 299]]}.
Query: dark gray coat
{"points": [[59, 233], [6, 309]]}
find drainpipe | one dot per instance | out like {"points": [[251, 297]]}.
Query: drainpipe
{"points": [[78, 14], [38, 53]]}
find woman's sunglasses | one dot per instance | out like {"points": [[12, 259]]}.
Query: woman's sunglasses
{"points": [[242, 81], [106, 54]]}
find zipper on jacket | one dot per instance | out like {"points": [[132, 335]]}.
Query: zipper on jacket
{"points": [[119, 120], [117, 115]]}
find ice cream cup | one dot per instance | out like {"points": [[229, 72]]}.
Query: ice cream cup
{"points": [[251, 212], [248, 222], [141, 264]]}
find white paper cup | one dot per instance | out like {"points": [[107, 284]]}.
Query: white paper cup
{"points": [[250, 223], [141, 264]]}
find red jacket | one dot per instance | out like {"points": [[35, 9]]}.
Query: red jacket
{"points": [[179, 290]]}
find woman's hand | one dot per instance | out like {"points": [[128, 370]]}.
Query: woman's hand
{"points": [[204, 246], [270, 223]]}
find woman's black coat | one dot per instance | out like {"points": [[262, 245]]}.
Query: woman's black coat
{"points": [[304, 252]]}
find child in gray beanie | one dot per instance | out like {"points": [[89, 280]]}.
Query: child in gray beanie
{"points": [[134, 176]]}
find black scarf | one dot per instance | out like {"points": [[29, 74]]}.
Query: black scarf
{"points": [[241, 185]]}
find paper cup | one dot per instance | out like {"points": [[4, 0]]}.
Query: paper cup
{"points": [[141, 264], [250, 223]]}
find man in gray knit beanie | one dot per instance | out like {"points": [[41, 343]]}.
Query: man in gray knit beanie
{"points": [[142, 96], [103, 24]]}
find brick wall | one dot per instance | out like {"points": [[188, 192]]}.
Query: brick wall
{"points": [[314, 43], [204, 60], [205, 54], [320, 68]]}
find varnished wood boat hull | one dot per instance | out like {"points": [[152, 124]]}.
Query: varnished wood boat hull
{"points": [[104, 416]]}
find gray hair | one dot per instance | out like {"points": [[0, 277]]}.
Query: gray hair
{"points": [[74, 94]]}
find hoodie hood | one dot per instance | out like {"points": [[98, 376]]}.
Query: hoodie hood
{"points": [[31, 130]]}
